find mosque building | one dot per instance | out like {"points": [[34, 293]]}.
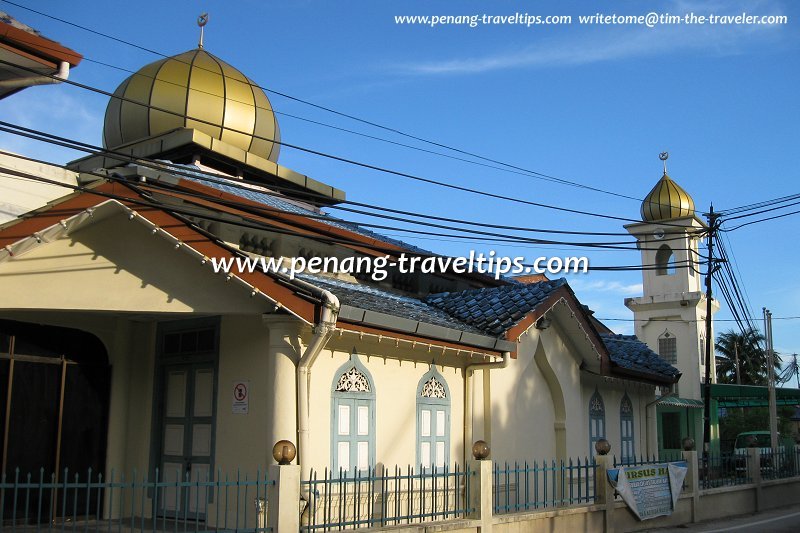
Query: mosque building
{"points": [[113, 316]]}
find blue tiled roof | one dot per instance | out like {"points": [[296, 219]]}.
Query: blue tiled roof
{"points": [[627, 351], [372, 298], [494, 310], [274, 201]]}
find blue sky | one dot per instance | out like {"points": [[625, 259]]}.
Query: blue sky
{"points": [[590, 104]]}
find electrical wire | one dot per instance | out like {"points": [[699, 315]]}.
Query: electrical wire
{"points": [[249, 223], [159, 165], [396, 131]]}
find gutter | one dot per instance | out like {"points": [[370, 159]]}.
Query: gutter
{"points": [[323, 331], [28, 81], [468, 410], [368, 317]]}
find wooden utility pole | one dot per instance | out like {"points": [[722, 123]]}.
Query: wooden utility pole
{"points": [[738, 371], [773, 409], [712, 230]]}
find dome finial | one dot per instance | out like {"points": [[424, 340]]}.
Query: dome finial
{"points": [[202, 20], [663, 156]]}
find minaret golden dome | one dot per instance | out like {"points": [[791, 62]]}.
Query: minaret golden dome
{"points": [[667, 200], [193, 90]]}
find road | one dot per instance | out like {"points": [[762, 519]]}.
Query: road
{"points": [[783, 520]]}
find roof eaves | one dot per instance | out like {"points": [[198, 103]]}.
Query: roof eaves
{"points": [[423, 329]]}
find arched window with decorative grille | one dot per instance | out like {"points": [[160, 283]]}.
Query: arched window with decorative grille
{"points": [[628, 449], [668, 347], [353, 417], [433, 420], [597, 420]]}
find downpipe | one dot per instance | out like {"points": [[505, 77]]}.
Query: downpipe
{"points": [[468, 403], [323, 331]]}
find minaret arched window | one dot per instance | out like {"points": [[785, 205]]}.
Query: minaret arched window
{"points": [[597, 420], [668, 347], [433, 420], [665, 261], [353, 429], [626, 427]]}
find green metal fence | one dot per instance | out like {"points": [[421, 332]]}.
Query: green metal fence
{"points": [[161, 503], [780, 463], [380, 497], [641, 460], [722, 470], [525, 486]]}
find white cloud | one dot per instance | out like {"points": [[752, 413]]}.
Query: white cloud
{"points": [[594, 44]]}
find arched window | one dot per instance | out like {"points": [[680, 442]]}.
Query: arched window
{"points": [[433, 420], [626, 427], [597, 420], [668, 347], [353, 430], [665, 261]]}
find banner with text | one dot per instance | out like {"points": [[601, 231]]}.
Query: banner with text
{"points": [[649, 490]]}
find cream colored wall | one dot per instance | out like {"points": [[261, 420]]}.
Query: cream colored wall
{"points": [[241, 439], [120, 257], [522, 409], [19, 195], [687, 324], [612, 391], [396, 384]]}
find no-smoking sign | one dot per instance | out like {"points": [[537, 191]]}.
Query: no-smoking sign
{"points": [[241, 397]]}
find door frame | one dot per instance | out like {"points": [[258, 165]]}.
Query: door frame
{"points": [[162, 364]]}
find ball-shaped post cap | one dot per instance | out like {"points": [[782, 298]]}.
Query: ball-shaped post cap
{"points": [[602, 447], [480, 450], [688, 444], [284, 452]]}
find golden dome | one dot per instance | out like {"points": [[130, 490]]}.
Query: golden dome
{"points": [[667, 200], [193, 90]]}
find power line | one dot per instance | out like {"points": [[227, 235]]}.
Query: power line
{"points": [[528, 172], [353, 162], [761, 220], [160, 165], [758, 205], [685, 321], [249, 223]]}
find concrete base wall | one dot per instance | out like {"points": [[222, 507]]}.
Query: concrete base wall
{"points": [[714, 504]]}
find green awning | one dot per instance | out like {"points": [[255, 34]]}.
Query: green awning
{"points": [[675, 401], [728, 395]]}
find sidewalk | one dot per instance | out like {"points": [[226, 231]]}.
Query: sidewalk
{"points": [[785, 519]]}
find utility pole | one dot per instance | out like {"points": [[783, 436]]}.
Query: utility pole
{"points": [[736, 354], [712, 230], [773, 409]]}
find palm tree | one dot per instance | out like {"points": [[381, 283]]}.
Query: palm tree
{"points": [[752, 358]]}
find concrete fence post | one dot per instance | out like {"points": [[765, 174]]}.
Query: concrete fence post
{"points": [[480, 494], [754, 473], [692, 481], [604, 492], [283, 499]]}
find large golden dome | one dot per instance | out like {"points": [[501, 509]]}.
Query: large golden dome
{"points": [[193, 90], [667, 200]]}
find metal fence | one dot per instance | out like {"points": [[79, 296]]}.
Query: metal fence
{"points": [[640, 460], [378, 497], [525, 486], [780, 463], [722, 470], [71, 502]]}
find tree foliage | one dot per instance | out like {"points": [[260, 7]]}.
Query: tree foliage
{"points": [[752, 358]]}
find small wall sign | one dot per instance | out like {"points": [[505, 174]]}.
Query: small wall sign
{"points": [[241, 397]]}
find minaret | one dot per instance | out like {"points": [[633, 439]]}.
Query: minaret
{"points": [[670, 316]]}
